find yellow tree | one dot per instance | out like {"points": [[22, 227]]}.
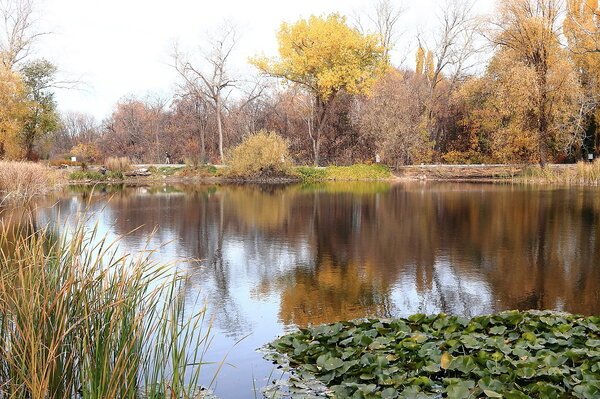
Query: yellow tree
{"points": [[527, 33], [326, 57], [581, 27], [13, 109]]}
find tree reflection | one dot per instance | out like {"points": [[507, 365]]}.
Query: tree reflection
{"points": [[343, 251]]}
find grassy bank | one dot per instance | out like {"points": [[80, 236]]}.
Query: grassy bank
{"points": [[513, 355], [24, 180], [79, 320], [354, 172]]}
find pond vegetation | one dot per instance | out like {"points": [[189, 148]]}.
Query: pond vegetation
{"points": [[513, 355], [80, 320]]}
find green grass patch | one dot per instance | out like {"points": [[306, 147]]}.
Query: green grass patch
{"points": [[509, 355], [96, 176], [197, 171], [164, 170], [354, 172]]}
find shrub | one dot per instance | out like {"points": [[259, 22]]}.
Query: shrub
{"points": [[25, 180], [60, 162], [264, 154], [120, 164]]}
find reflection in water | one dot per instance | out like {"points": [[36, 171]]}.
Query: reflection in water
{"points": [[275, 257]]}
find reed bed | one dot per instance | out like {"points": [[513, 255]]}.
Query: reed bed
{"points": [[25, 180], [584, 173], [77, 320], [118, 164]]}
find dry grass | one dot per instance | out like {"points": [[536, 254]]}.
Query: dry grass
{"points": [[24, 180], [120, 164], [584, 173]]}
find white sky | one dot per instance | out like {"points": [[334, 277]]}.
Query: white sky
{"points": [[122, 47]]}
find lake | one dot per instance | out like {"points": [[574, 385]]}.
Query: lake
{"points": [[269, 258]]}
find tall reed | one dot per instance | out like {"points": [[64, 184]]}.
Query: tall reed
{"points": [[78, 320], [24, 180]]}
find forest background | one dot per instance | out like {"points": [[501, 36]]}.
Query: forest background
{"points": [[521, 85]]}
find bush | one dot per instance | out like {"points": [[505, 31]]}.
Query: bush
{"points": [[264, 154], [121, 164], [60, 162], [25, 180]]}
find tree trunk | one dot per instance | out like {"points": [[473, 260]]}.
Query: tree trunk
{"points": [[220, 131], [543, 118]]}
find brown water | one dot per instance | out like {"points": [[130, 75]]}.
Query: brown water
{"points": [[277, 257]]}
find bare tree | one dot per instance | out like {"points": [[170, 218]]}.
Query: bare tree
{"points": [[383, 19], [454, 44], [211, 82], [18, 32]]}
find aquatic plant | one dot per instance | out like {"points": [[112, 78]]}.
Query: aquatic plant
{"points": [[509, 355], [79, 319]]}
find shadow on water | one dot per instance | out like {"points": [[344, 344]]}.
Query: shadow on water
{"points": [[275, 257]]}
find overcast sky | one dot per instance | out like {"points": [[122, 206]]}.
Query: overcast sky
{"points": [[122, 47]]}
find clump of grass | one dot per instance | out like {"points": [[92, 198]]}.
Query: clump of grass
{"points": [[587, 173], [24, 180], [197, 171], [79, 320], [118, 164], [164, 170], [96, 176], [583, 173], [310, 173]]}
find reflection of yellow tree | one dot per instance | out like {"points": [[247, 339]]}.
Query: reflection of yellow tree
{"points": [[329, 292]]}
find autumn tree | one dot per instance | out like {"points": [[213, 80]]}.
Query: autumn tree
{"points": [[527, 33], [327, 58], [581, 27], [42, 118], [392, 118], [13, 109]]}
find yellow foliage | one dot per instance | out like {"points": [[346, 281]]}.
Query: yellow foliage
{"points": [[13, 108], [325, 55], [264, 154], [430, 66], [420, 60]]}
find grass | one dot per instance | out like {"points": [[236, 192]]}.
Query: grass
{"points": [[197, 171], [354, 172], [118, 164], [95, 176], [584, 173], [79, 320], [25, 180]]}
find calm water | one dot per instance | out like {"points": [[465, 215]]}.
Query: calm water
{"points": [[277, 257]]}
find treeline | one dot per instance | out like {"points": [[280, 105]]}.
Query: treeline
{"points": [[520, 85]]}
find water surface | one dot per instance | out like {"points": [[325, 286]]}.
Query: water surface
{"points": [[276, 257]]}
